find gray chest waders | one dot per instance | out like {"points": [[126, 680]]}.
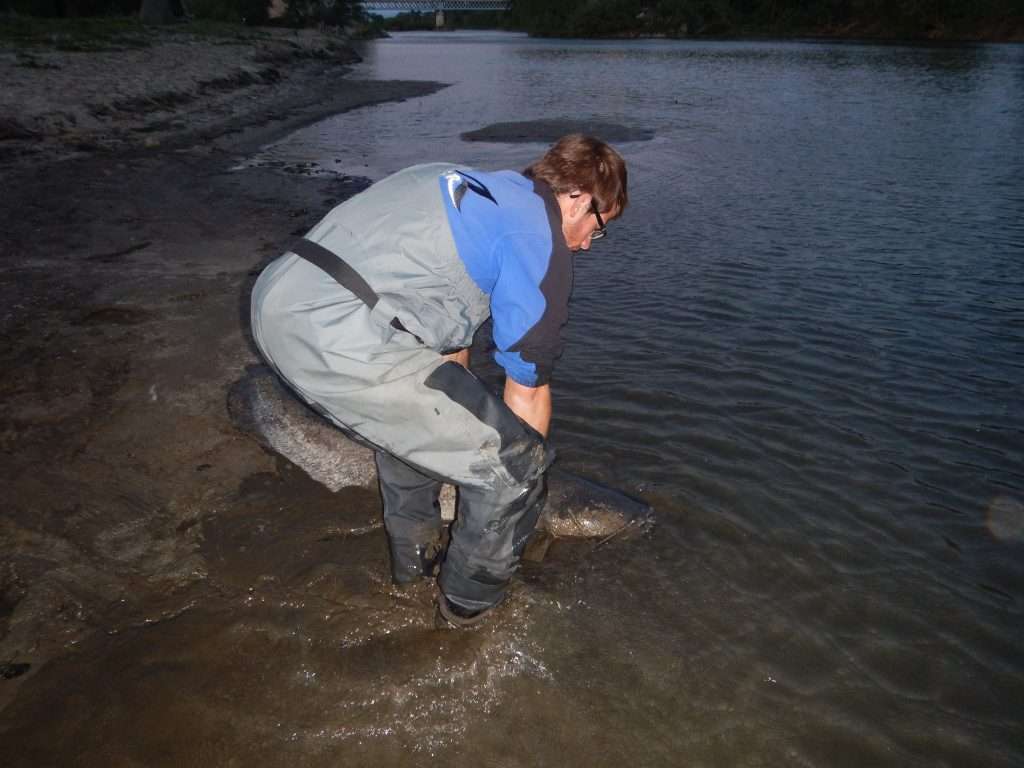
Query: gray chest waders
{"points": [[340, 270], [348, 278], [340, 345]]}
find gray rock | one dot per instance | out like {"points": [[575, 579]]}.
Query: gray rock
{"points": [[264, 408]]}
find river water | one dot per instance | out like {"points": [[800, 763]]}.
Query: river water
{"points": [[804, 343]]}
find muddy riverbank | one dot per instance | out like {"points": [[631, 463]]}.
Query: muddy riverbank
{"points": [[170, 593], [77, 89]]}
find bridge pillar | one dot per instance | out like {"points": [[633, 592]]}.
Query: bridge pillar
{"points": [[439, 19]]}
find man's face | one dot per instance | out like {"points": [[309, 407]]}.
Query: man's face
{"points": [[579, 221]]}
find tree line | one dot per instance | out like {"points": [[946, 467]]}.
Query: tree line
{"points": [[874, 18], [256, 12], [597, 18]]}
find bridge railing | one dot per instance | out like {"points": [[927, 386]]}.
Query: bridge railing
{"points": [[435, 5]]}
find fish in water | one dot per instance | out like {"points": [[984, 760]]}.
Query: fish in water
{"points": [[263, 407]]}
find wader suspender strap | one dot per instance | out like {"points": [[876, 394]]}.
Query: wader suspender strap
{"points": [[340, 270], [334, 266]]}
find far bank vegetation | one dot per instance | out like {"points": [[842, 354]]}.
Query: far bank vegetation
{"points": [[296, 13], [887, 19], [894, 19]]}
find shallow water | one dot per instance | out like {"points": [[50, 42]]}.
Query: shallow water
{"points": [[805, 343]]}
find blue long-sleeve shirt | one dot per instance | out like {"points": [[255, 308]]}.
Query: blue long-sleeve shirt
{"points": [[507, 230]]}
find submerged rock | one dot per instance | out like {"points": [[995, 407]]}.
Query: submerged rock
{"points": [[549, 131]]}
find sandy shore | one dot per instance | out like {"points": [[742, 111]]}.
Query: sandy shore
{"points": [[166, 87], [158, 570]]}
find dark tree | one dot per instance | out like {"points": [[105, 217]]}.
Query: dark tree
{"points": [[156, 12]]}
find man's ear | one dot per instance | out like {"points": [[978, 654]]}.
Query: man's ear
{"points": [[581, 203]]}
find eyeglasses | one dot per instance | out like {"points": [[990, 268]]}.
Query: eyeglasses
{"points": [[601, 230]]}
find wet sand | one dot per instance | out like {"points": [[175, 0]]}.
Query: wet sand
{"points": [[70, 91], [170, 593]]}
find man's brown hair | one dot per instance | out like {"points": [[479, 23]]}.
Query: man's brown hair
{"points": [[578, 163]]}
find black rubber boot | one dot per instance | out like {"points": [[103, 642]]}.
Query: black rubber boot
{"points": [[451, 616]]}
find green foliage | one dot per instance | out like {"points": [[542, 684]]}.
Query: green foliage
{"points": [[477, 19], [71, 8], [416, 20], [310, 13], [543, 18], [300, 12], [894, 18], [409, 21], [588, 18], [369, 27], [252, 12], [604, 17], [106, 33]]}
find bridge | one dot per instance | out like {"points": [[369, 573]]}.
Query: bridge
{"points": [[437, 6]]}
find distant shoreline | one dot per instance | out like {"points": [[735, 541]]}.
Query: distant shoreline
{"points": [[1010, 32], [819, 36]]}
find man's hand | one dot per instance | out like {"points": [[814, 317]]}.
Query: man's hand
{"points": [[461, 357], [531, 404]]}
